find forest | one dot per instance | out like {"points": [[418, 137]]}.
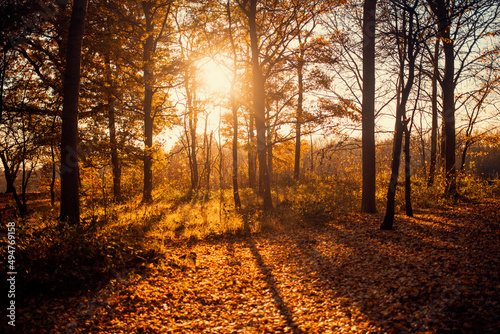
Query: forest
{"points": [[250, 166]]}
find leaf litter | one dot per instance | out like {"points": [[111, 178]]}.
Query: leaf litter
{"points": [[437, 272]]}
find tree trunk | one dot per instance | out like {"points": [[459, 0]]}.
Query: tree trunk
{"points": [[9, 182], [252, 165], [368, 203], [298, 118], [449, 118], [53, 178], [147, 196], [468, 143], [442, 14], [434, 127], [270, 161], [259, 107], [236, 193], [408, 205], [312, 154], [115, 164], [396, 160], [193, 125], [269, 153], [411, 52], [8, 177], [70, 200], [234, 109], [24, 178], [207, 163]]}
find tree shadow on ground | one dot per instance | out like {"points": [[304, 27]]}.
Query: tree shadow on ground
{"points": [[433, 273], [420, 277], [281, 305]]}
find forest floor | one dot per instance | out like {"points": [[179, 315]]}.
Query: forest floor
{"points": [[437, 272]]}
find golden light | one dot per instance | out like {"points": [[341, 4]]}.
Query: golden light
{"points": [[215, 77]]}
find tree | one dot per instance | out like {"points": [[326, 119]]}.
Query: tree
{"points": [[300, 109], [111, 110], [460, 27], [234, 110], [487, 79], [444, 20], [150, 8], [259, 96], [408, 50], [274, 27], [368, 203], [434, 126], [31, 67], [70, 200]]}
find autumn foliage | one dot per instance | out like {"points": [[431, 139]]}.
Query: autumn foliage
{"points": [[434, 273], [250, 166]]}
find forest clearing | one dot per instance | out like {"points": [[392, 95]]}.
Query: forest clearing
{"points": [[437, 272]]}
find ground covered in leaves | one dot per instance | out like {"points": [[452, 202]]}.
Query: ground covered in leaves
{"points": [[435, 273]]}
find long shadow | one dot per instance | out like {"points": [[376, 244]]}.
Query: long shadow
{"points": [[284, 310], [80, 264], [390, 252]]}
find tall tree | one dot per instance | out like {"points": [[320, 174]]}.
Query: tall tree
{"points": [[152, 37], [111, 109], [407, 43], [234, 109], [70, 200], [148, 49], [259, 96], [368, 203], [273, 29], [434, 104], [461, 25], [444, 16], [300, 109]]}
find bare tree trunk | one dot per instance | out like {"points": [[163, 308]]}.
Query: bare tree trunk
{"points": [[270, 161], [24, 178], [20, 206], [298, 118], [53, 178], [193, 124], [449, 118], [434, 128], [408, 205], [147, 196], [252, 165], [468, 143], [208, 162], [440, 9], [10, 178], [269, 153], [312, 154], [368, 203], [70, 200], [410, 50], [115, 164], [396, 160]]}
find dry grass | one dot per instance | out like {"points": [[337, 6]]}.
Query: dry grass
{"points": [[113, 236]]}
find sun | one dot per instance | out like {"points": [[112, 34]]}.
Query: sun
{"points": [[215, 77]]}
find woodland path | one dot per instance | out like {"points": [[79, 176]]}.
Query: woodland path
{"points": [[436, 273]]}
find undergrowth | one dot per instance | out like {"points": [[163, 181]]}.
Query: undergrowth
{"points": [[57, 258]]}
